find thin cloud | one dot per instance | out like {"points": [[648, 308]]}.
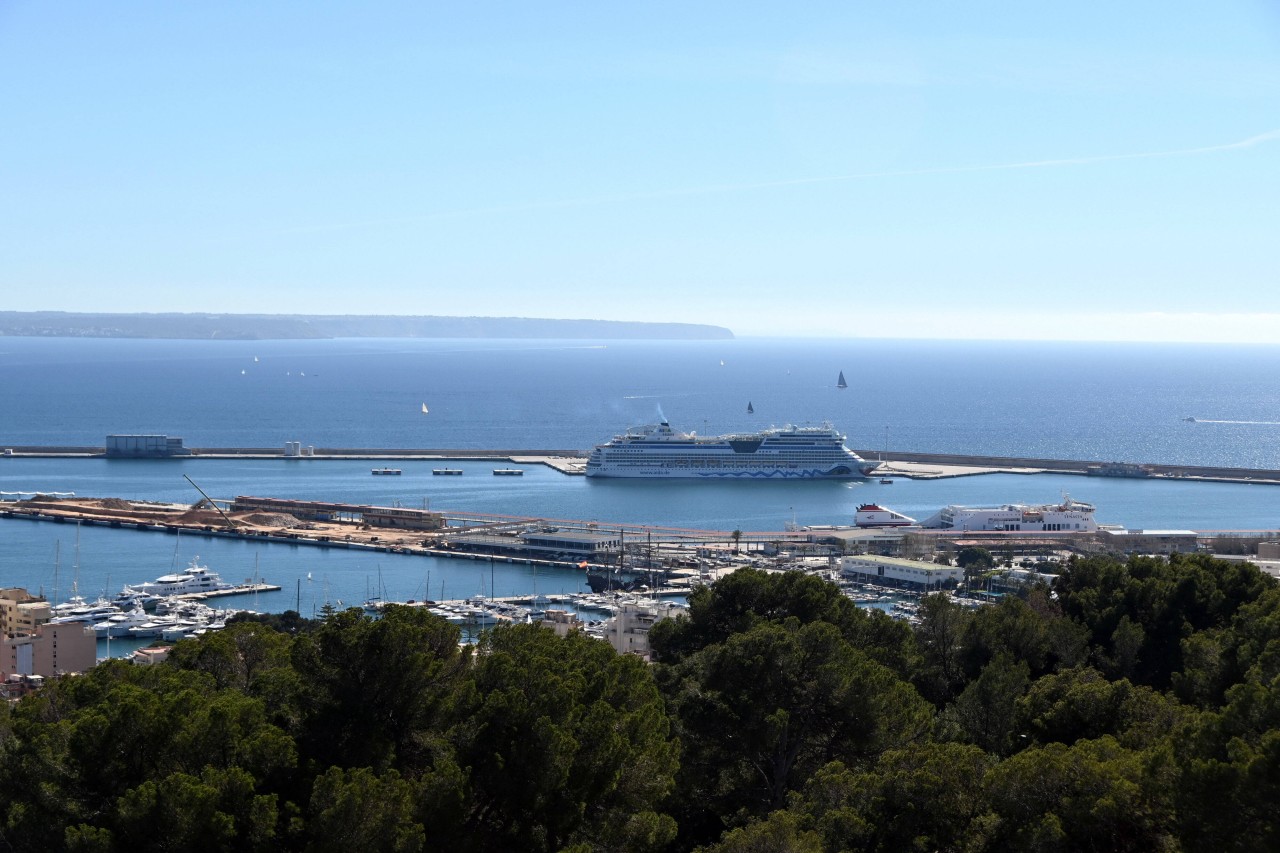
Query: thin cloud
{"points": [[589, 201]]}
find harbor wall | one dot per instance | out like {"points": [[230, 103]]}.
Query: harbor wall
{"points": [[1069, 466]]}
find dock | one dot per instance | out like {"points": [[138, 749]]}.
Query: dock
{"points": [[897, 463], [241, 589]]}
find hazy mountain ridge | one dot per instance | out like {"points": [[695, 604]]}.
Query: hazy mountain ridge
{"points": [[316, 326]]}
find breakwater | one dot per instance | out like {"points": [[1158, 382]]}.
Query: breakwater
{"points": [[571, 461]]}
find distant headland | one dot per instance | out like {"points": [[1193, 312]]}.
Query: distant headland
{"points": [[250, 327]]}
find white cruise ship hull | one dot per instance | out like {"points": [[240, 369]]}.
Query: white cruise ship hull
{"points": [[650, 473], [789, 453]]}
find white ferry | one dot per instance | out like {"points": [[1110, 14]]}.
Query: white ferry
{"points": [[1075, 516], [195, 578], [874, 515], [788, 452]]}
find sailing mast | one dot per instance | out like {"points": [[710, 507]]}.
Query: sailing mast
{"points": [[57, 561]]}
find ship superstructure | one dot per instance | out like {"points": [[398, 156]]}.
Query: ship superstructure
{"points": [[874, 515], [1070, 515], [790, 452]]}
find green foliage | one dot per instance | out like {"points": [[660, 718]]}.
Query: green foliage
{"points": [[940, 640], [357, 810], [761, 711], [96, 750], [778, 833], [288, 622], [1135, 708], [371, 687], [983, 713], [1081, 704], [1140, 612], [749, 596], [566, 742], [928, 796], [1093, 795], [975, 558]]}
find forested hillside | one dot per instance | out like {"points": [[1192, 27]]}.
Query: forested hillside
{"points": [[1136, 706]]}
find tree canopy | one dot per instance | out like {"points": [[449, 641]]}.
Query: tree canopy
{"points": [[1133, 706]]}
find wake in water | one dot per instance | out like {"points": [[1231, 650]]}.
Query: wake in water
{"points": [[1249, 423]]}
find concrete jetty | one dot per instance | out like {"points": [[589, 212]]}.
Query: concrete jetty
{"points": [[923, 466]]}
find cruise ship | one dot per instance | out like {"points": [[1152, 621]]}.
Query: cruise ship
{"points": [[790, 452], [1075, 516]]}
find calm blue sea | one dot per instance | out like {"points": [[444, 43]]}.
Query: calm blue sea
{"points": [[1067, 400], [1086, 401]]}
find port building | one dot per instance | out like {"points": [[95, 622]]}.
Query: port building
{"points": [[915, 575], [376, 516], [145, 447]]}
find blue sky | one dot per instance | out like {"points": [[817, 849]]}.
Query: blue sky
{"points": [[1075, 171]]}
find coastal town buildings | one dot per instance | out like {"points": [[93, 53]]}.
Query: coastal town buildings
{"points": [[30, 646]]}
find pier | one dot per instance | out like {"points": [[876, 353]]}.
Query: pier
{"points": [[917, 466], [240, 589]]}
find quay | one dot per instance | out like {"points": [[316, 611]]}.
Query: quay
{"points": [[240, 589], [667, 554], [921, 466]]}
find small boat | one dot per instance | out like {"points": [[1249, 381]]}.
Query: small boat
{"points": [[508, 472], [424, 408], [886, 481], [1190, 420], [387, 471], [750, 409], [453, 471], [840, 383]]}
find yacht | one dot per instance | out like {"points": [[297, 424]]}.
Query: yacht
{"points": [[76, 609], [194, 579], [120, 624]]}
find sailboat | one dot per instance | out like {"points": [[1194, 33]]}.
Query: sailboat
{"points": [[840, 383], [424, 408], [750, 410]]}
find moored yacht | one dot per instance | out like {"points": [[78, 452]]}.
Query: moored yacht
{"points": [[195, 578]]}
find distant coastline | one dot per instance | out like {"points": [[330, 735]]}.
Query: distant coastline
{"points": [[249, 327]]}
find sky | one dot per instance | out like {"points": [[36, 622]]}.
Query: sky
{"points": [[852, 169]]}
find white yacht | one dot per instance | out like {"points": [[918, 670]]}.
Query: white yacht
{"points": [[78, 610], [784, 453], [120, 624], [195, 578]]}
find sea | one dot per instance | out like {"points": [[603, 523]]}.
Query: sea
{"points": [[1094, 401]]}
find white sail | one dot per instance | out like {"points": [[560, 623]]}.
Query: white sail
{"points": [[424, 408]]}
